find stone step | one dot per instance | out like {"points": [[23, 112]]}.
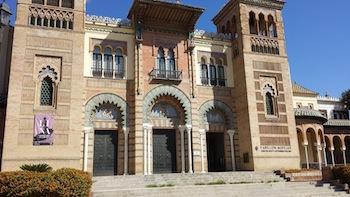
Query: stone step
{"points": [[261, 190]]}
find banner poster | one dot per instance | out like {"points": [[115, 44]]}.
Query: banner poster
{"points": [[43, 130]]}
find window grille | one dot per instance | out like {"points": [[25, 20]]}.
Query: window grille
{"points": [[46, 95]]}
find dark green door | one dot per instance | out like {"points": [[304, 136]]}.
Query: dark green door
{"points": [[215, 151], [164, 151], [105, 153]]}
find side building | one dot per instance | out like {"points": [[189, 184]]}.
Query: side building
{"points": [[323, 128]]}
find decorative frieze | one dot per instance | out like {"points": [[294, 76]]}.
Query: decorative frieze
{"points": [[273, 4]]}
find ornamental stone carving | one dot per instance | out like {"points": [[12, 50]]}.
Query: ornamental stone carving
{"points": [[165, 90], [215, 104], [97, 100]]}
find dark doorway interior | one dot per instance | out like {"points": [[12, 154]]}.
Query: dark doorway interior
{"points": [[215, 151], [105, 153], [164, 151]]}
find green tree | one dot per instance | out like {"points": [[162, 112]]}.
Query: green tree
{"points": [[345, 98]]}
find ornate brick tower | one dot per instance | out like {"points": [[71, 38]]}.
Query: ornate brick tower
{"points": [[47, 55], [263, 89]]}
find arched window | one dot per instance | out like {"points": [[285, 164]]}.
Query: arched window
{"points": [[252, 23], [38, 1], [68, 3], [269, 104], [46, 93], [53, 2], [223, 29], [161, 67], [164, 110], [272, 27], [213, 77], [234, 25], [204, 72], [108, 62], [215, 117], [171, 67], [97, 62], [262, 25], [221, 74], [119, 64], [228, 27]]}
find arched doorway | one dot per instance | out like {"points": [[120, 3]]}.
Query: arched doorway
{"points": [[106, 115], [217, 123], [301, 147], [312, 148], [167, 117], [338, 154], [347, 145], [328, 150]]}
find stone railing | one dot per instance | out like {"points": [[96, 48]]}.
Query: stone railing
{"points": [[328, 98], [108, 20], [212, 35], [264, 45]]}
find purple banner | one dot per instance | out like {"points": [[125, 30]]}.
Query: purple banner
{"points": [[43, 130]]}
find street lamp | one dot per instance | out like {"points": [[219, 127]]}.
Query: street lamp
{"points": [[5, 13]]}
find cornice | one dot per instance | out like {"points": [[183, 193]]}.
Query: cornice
{"points": [[273, 4]]}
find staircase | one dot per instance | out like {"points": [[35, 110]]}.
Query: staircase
{"points": [[210, 184]]}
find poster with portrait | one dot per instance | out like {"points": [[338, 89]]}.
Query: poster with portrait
{"points": [[43, 130]]}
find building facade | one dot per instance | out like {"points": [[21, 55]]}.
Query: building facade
{"points": [[150, 94]]}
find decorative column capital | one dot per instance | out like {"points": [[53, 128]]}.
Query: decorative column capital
{"points": [[147, 126], [202, 131], [126, 130], [231, 132], [87, 130], [182, 128], [189, 127]]}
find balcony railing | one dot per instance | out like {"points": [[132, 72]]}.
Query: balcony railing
{"points": [[107, 73], [172, 75], [213, 82]]}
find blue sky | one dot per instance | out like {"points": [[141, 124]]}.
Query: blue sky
{"points": [[317, 34]]}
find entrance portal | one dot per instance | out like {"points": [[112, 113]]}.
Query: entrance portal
{"points": [[215, 151], [105, 153], [164, 151]]}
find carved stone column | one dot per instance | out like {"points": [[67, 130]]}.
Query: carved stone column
{"points": [[324, 146], [319, 157], [182, 133], [231, 134], [126, 150], [146, 127], [332, 154], [87, 130], [344, 155], [150, 150], [202, 132], [307, 156], [189, 138]]}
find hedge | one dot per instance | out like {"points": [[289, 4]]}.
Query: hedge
{"points": [[342, 173], [63, 182]]}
